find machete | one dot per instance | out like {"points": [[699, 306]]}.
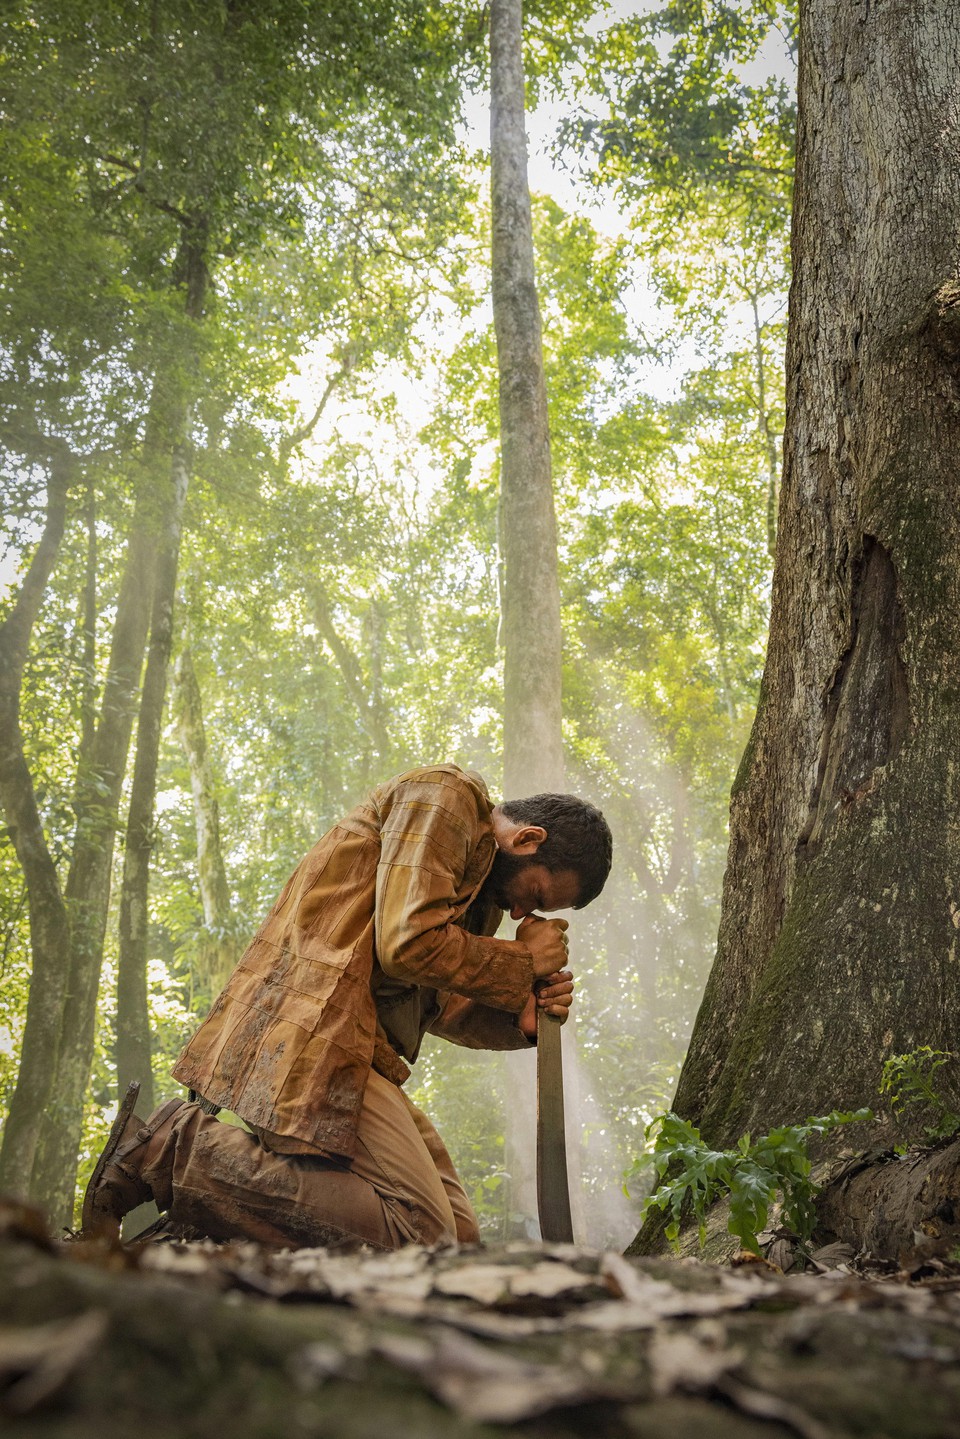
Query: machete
{"points": [[553, 1195]]}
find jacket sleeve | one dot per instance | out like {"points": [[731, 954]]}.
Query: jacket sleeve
{"points": [[478, 1026], [429, 836]]}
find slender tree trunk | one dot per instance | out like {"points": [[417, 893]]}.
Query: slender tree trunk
{"points": [[49, 922], [88, 702], [371, 709], [530, 588], [221, 954], [88, 882], [133, 1049], [133, 1037], [530, 600], [840, 932], [100, 789]]}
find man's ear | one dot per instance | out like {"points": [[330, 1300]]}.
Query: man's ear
{"points": [[527, 839]]}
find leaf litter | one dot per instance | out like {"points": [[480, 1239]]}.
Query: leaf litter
{"points": [[502, 1336]]}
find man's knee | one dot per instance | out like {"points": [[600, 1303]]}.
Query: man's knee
{"points": [[424, 1223], [468, 1230]]}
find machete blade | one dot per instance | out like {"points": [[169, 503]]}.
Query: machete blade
{"points": [[553, 1194]]}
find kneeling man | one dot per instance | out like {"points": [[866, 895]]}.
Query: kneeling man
{"points": [[383, 932]]}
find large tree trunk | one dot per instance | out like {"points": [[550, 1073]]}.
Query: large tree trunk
{"points": [[840, 929], [49, 922]]}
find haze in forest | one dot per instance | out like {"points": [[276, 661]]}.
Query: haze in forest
{"points": [[337, 603]]}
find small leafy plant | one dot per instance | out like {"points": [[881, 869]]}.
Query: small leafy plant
{"points": [[752, 1175], [908, 1080]]}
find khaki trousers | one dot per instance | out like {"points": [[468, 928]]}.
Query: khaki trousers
{"points": [[400, 1187]]}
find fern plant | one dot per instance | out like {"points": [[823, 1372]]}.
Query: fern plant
{"points": [[908, 1080], [752, 1174]]}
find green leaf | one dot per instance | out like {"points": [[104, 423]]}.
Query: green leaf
{"points": [[751, 1174]]}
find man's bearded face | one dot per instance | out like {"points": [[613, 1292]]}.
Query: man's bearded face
{"points": [[522, 885], [504, 880]]}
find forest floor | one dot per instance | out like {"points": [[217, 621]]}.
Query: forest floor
{"points": [[544, 1340]]}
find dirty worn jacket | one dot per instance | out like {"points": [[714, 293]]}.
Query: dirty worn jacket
{"points": [[379, 934]]}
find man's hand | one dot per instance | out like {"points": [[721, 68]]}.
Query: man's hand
{"points": [[546, 940], [553, 994]]}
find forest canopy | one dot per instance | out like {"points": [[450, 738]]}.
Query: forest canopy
{"points": [[248, 409]]}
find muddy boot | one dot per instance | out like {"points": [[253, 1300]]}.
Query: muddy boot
{"points": [[117, 1184]]}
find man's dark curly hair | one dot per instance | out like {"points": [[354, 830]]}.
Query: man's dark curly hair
{"points": [[578, 838]]}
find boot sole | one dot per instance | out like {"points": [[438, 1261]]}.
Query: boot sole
{"points": [[90, 1227]]}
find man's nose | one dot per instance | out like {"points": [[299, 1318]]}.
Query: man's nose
{"points": [[518, 912]]}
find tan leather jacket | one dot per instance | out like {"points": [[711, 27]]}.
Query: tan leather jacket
{"points": [[379, 935]]}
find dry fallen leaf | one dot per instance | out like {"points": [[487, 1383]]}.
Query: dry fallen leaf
{"points": [[486, 1283], [831, 1256], [486, 1385], [645, 1300], [691, 1360], [315, 1363], [188, 1261], [782, 1253], [402, 1275], [495, 1283], [550, 1281]]}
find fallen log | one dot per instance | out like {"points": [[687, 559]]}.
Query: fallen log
{"points": [[890, 1205], [883, 1204]]}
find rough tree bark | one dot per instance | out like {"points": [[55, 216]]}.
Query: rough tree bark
{"points": [[766, 433], [840, 929], [533, 1342], [896, 1206]]}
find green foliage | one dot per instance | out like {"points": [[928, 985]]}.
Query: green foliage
{"points": [[908, 1081], [688, 113], [752, 1175], [339, 576]]}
